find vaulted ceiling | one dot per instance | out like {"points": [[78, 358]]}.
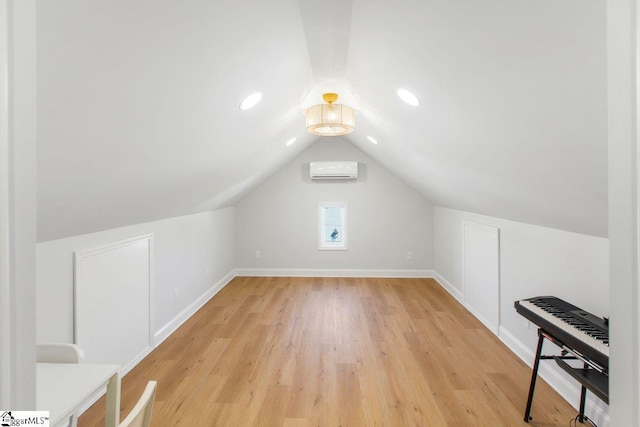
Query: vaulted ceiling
{"points": [[138, 114]]}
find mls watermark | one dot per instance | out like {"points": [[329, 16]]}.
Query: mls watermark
{"points": [[24, 418]]}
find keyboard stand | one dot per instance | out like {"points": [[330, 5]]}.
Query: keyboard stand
{"points": [[536, 363]]}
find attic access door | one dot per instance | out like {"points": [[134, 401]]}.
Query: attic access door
{"points": [[112, 301], [481, 272]]}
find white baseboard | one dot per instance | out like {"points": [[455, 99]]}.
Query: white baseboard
{"points": [[129, 366], [455, 292], [487, 324], [164, 332], [304, 272]]}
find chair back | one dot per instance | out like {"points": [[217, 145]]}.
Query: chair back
{"points": [[59, 353], [140, 415]]}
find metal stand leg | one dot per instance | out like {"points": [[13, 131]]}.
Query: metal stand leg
{"points": [[534, 375], [583, 397]]}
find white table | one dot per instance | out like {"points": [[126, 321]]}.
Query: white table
{"points": [[62, 387]]}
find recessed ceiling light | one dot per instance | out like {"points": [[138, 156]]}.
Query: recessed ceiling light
{"points": [[291, 141], [251, 101], [372, 140], [408, 97]]}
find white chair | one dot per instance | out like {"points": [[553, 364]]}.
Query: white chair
{"points": [[60, 353], [140, 415]]}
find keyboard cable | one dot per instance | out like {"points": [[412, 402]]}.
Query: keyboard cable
{"points": [[575, 421]]}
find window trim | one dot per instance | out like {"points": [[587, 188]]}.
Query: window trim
{"points": [[325, 246]]}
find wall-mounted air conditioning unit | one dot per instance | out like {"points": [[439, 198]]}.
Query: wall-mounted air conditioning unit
{"points": [[333, 170]]}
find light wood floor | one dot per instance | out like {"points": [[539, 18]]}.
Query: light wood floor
{"points": [[301, 352]]}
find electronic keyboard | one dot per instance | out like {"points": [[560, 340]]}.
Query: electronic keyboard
{"points": [[582, 336], [576, 328]]}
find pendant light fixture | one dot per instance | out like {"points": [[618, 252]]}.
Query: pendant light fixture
{"points": [[330, 119]]}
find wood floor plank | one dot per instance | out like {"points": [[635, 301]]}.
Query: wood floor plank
{"points": [[296, 422], [308, 352]]}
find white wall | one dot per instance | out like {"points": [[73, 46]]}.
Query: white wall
{"points": [[192, 253], [386, 218], [534, 261], [624, 216], [17, 203]]}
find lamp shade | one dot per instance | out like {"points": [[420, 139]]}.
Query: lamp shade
{"points": [[330, 119]]}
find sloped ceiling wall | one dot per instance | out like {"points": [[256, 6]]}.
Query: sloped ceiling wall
{"points": [[138, 100]]}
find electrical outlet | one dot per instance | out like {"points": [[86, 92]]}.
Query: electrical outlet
{"points": [[176, 294], [258, 255], [208, 272], [409, 255]]}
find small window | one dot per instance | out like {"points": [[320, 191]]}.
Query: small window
{"points": [[332, 226]]}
